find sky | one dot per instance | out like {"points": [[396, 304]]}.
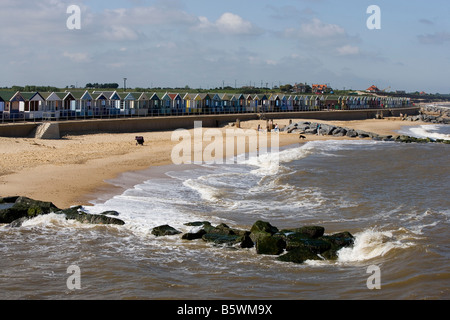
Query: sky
{"points": [[209, 43]]}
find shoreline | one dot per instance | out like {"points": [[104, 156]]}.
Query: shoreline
{"points": [[81, 170]]}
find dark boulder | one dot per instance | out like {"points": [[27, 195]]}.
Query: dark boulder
{"points": [[221, 239], [164, 230], [311, 231], [24, 207], [270, 245], [194, 235], [337, 242], [76, 213], [352, 133], [298, 255], [110, 213], [262, 229], [339, 132]]}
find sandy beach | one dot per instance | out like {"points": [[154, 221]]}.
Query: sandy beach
{"points": [[75, 170]]}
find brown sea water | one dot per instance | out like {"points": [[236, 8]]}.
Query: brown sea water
{"points": [[394, 198]]}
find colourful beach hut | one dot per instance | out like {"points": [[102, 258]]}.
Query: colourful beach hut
{"points": [[250, 103], [12, 102], [83, 103], [34, 105], [53, 105], [216, 104], [155, 104], [205, 102], [189, 102], [176, 103]]}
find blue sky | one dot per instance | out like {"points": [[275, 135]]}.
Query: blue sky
{"points": [[202, 43]]}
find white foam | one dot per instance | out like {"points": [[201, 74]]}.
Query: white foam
{"points": [[429, 131], [371, 244]]}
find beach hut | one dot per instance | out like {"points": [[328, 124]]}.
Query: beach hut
{"points": [[284, 103], [108, 103], [295, 103], [2, 106], [12, 102], [101, 102], [127, 106], [142, 103], [155, 104], [261, 102], [67, 102], [34, 105], [241, 103], [216, 103], [205, 102], [176, 103], [235, 103], [83, 103], [53, 105], [166, 104], [198, 101], [226, 102], [274, 102], [290, 103], [189, 103], [250, 104]]}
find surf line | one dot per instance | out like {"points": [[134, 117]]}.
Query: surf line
{"points": [[223, 147]]}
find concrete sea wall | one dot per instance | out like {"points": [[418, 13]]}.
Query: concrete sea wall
{"points": [[131, 125]]}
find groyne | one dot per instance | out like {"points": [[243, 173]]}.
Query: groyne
{"points": [[145, 124]]}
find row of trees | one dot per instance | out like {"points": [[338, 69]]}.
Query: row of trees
{"points": [[102, 86]]}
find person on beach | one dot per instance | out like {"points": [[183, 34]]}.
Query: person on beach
{"points": [[318, 129]]}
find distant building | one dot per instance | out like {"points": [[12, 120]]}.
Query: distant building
{"points": [[373, 89], [319, 88], [400, 92], [299, 88]]}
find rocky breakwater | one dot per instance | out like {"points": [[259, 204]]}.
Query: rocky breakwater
{"points": [[431, 114], [289, 245], [313, 128], [323, 129], [14, 211]]}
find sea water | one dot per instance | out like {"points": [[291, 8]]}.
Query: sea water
{"points": [[393, 197]]}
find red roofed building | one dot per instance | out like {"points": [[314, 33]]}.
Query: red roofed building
{"points": [[373, 89], [319, 88]]}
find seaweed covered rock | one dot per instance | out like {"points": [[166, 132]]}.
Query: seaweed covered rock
{"points": [[164, 230], [300, 247], [23, 207], [76, 213], [298, 255], [221, 234], [270, 245], [262, 229]]}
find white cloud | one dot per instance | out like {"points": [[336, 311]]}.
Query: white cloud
{"points": [[317, 28], [120, 33], [77, 56], [233, 24], [348, 50], [228, 23]]}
